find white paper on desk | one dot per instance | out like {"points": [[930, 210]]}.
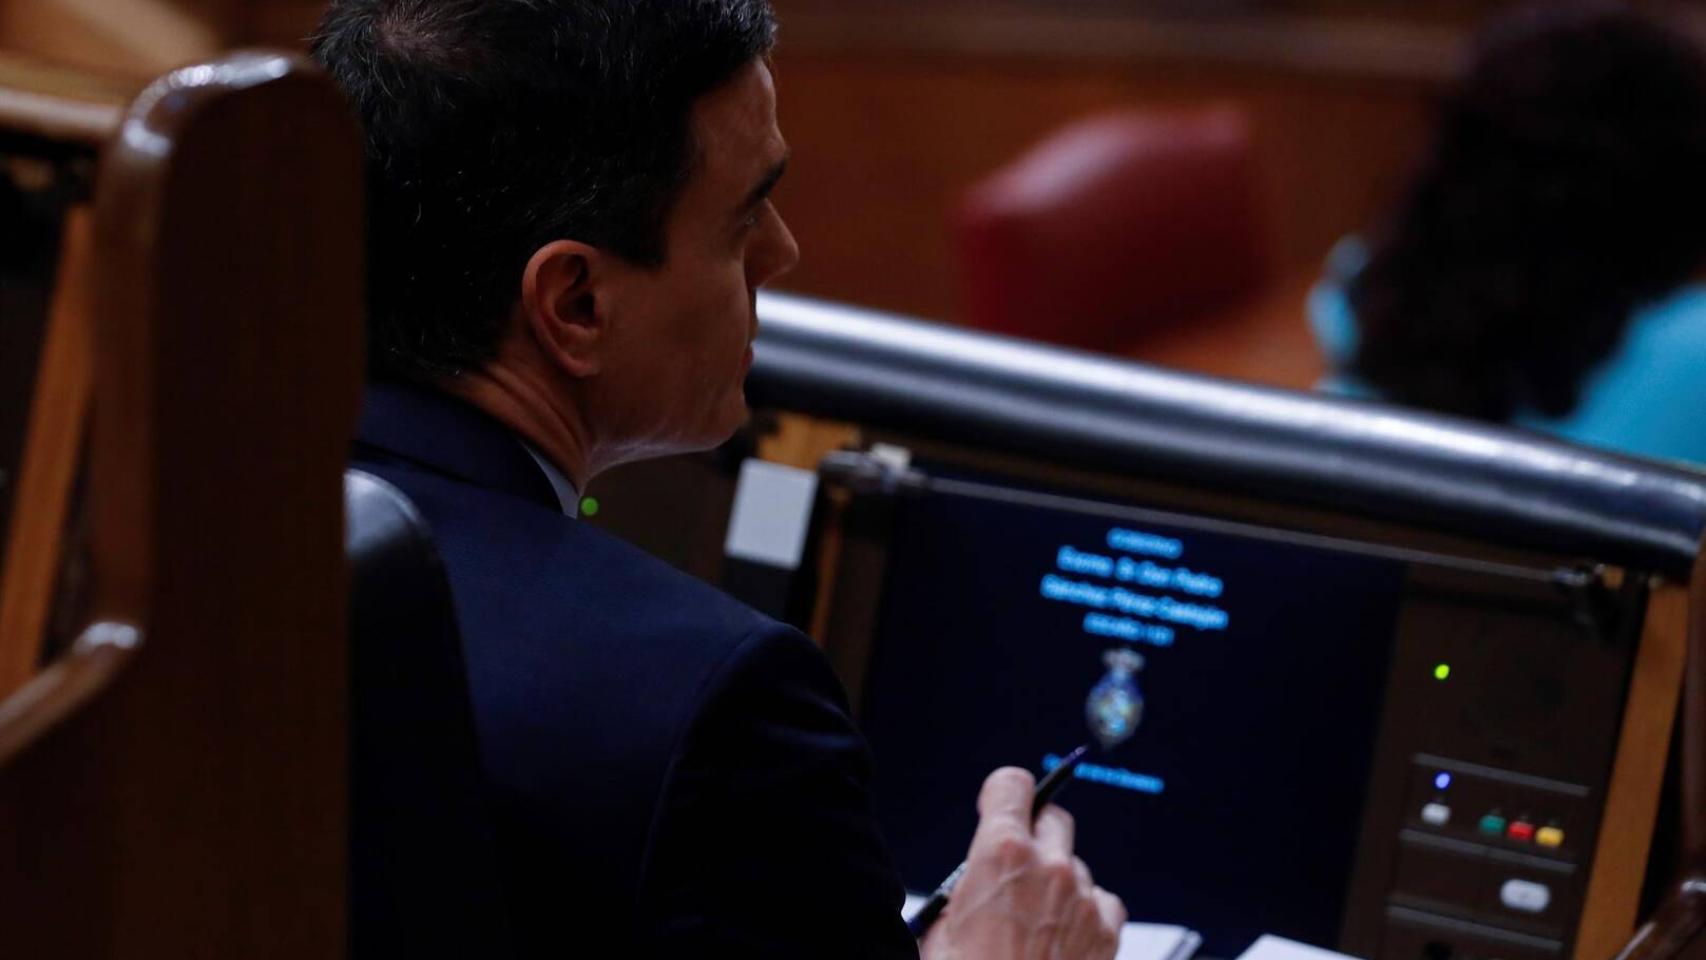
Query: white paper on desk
{"points": [[1157, 941], [1270, 947], [1138, 941]]}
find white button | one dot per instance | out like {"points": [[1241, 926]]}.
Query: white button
{"points": [[1526, 896], [1436, 814]]}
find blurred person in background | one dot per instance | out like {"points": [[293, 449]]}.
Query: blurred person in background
{"points": [[1544, 268]]}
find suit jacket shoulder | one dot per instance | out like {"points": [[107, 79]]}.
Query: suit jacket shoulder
{"points": [[659, 754]]}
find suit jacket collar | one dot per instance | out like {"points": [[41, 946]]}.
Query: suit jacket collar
{"points": [[436, 431]]}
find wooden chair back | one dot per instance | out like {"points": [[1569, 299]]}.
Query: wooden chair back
{"points": [[176, 784]]}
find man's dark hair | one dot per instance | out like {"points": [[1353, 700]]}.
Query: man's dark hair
{"points": [[1565, 189], [497, 126]]}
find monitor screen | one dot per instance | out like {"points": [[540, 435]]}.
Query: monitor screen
{"points": [[1235, 807]]}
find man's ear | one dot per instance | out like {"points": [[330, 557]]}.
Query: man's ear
{"points": [[560, 305]]}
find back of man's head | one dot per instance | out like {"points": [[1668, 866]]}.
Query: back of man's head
{"points": [[497, 126]]}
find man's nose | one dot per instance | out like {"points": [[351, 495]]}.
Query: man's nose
{"points": [[784, 257]]}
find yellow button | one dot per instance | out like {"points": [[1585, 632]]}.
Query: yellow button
{"points": [[1549, 837]]}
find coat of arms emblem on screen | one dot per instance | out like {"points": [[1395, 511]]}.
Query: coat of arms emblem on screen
{"points": [[1115, 706]]}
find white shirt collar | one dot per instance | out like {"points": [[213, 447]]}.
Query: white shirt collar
{"points": [[567, 497]]}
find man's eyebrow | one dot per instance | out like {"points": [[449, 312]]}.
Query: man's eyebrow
{"points": [[761, 190]]}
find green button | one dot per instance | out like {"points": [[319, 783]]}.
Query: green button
{"points": [[1493, 824]]}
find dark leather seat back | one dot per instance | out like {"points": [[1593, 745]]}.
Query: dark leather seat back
{"points": [[424, 877]]}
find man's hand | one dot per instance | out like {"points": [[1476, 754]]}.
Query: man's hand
{"points": [[1024, 895]]}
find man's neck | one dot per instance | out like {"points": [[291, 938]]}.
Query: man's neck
{"points": [[518, 401]]}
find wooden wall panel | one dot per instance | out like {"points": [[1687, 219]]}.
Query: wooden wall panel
{"points": [[137, 38], [892, 113], [885, 143], [282, 22]]}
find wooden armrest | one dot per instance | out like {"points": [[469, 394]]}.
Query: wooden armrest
{"points": [[66, 687], [1678, 927]]}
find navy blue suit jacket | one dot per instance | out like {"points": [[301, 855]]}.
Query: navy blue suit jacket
{"points": [[671, 772]]}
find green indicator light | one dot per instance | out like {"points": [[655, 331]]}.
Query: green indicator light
{"points": [[1492, 824], [1442, 672], [589, 506]]}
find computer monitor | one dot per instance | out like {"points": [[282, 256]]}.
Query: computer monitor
{"points": [[1235, 806]]}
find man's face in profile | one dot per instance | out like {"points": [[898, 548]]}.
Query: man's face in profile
{"points": [[682, 341]]}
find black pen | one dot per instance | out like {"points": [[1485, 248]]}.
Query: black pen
{"points": [[1050, 785]]}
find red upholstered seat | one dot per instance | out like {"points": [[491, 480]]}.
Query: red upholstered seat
{"points": [[1112, 227]]}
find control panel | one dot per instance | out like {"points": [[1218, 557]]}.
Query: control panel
{"points": [[1496, 747]]}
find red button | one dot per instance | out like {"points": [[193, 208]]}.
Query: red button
{"points": [[1521, 831]]}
